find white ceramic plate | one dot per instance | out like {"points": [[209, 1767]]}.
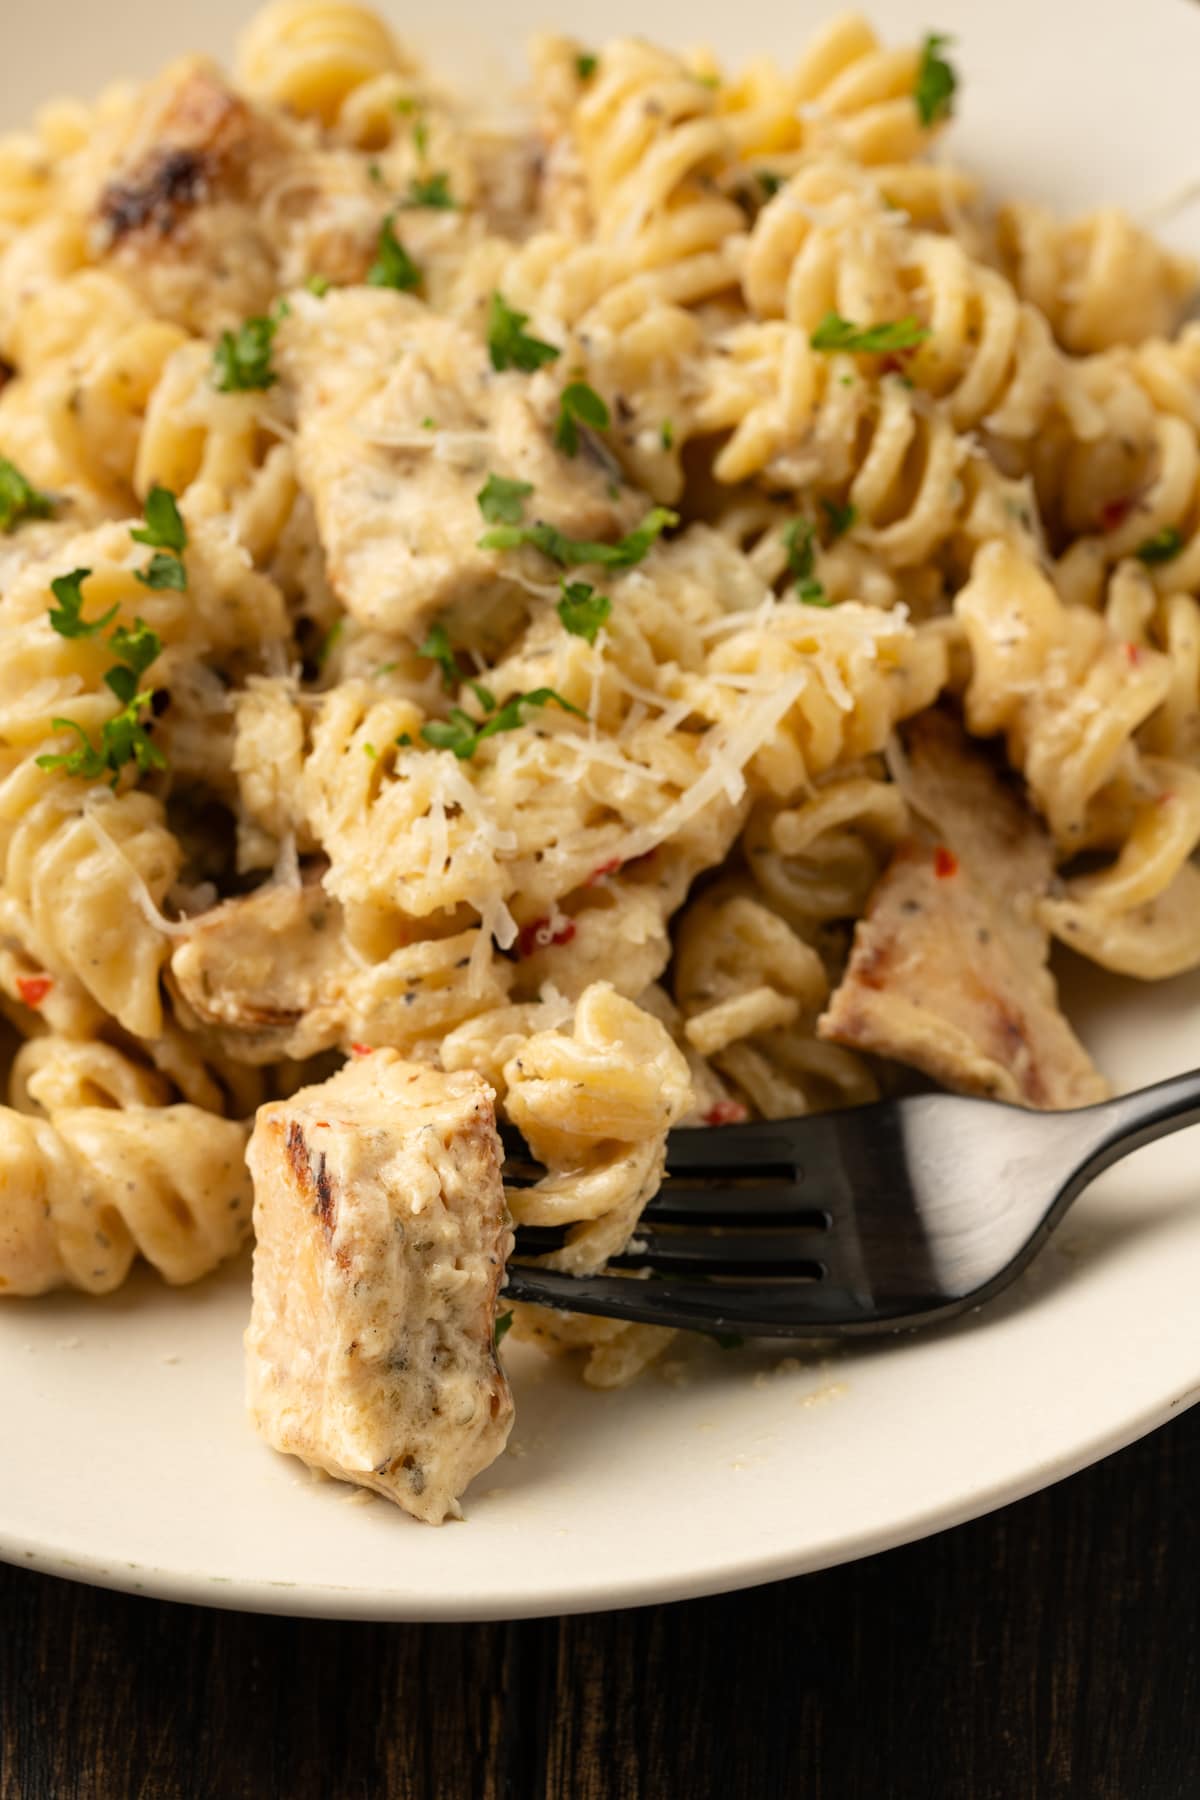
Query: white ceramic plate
{"points": [[126, 1459]]}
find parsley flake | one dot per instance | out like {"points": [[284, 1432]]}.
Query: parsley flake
{"points": [[431, 191], [582, 610], [585, 65], [421, 139], [137, 648], [164, 570], [770, 182], [463, 735], [933, 93], [836, 333], [801, 556], [841, 518], [67, 617], [19, 499], [509, 346], [1160, 548], [318, 285], [126, 736], [437, 648], [242, 358], [164, 528], [393, 266], [86, 760], [166, 532], [666, 435], [578, 405], [572, 553], [504, 1320], [501, 501]]}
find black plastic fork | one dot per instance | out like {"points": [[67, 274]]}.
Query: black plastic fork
{"points": [[880, 1218]]}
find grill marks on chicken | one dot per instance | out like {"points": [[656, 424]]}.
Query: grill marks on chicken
{"points": [[382, 1234], [949, 967]]}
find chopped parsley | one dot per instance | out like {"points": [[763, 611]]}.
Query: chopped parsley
{"points": [[502, 501], [836, 333], [166, 533], [571, 553], [801, 555], [242, 358], [666, 435], [126, 736], [375, 172], [438, 649], [770, 182], [586, 64], [393, 266], [164, 528], [509, 345], [840, 518], [330, 642], [19, 499], [578, 405], [163, 571], [504, 1320], [137, 649], [936, 81], [371, 751], [67, 617], [432, 191], [318, 285], [421, 139], [463, 735], [1162, 547], [582, 610]]}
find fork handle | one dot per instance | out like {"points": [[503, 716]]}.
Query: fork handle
{"points": [[1134, 1120]]}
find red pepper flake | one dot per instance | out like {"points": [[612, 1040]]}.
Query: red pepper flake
{"points": [[945, 863], [1166, 795], [605, 868], [34, 988], [1133, 654], [361, 1049], [726, 1112], [539, 936], [1115, 512]]}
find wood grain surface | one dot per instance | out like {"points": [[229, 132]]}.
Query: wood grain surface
{"points": [[1051, 1650]]}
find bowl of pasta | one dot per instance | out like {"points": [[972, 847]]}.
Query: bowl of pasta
{"points": [[614, 590]]}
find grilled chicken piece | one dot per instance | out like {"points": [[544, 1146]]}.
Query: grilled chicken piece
{"points": [[401, 420], [381, 1237], [178, 218], [260, 965], [948, 970], [272, 975]]}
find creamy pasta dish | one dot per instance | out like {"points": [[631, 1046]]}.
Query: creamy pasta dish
{"points": [[645, 606]]}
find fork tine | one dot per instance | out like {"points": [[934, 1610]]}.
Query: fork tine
{"points": [[681, 1203], [723, 1150], [758, 1309], [767, 1253]]}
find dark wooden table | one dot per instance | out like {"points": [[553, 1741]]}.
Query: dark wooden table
{"points": [[1050, 1650]]}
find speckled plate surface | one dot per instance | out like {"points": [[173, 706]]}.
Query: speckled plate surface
{"points": [[127, 1460]]}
